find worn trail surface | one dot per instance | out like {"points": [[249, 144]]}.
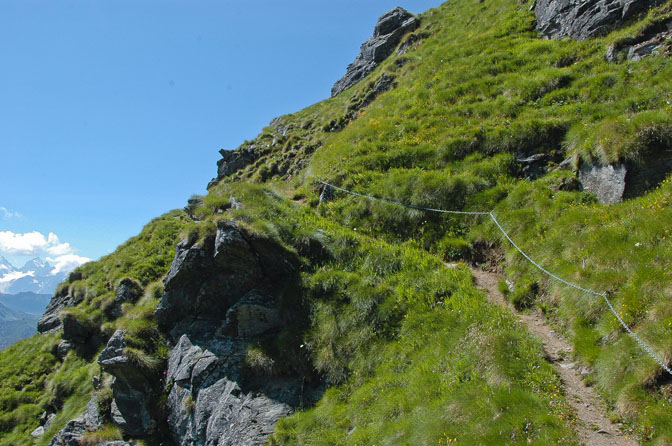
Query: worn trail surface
{"points": [[595, 428]]}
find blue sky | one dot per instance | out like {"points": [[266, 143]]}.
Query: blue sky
{"points": [[113, 112]]}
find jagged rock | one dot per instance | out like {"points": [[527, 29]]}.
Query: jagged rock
{"points": [[131, 388], [607, 182], [655, 38], [206, 403], [92, 417], [220, 296], [128, 290], [586, 18], [205, 281], [70, 434], [232, 161], [387, 34], [46, 418], [50, 321]]}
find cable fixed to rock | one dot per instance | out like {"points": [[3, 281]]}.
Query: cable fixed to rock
{"points": [[604, 295]]}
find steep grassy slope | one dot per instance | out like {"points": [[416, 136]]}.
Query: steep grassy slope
{"points": [[411, 351], [32, 378], [467, 101]]}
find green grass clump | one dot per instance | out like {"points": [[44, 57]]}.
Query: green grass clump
{"points": [[108, 432]]}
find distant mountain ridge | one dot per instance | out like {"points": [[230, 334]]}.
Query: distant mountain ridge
{"points": [[15, 325], [36, 276], [26, 302]]}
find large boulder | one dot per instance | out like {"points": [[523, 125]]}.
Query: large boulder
{"points": [[387, 34], [582, 19]]}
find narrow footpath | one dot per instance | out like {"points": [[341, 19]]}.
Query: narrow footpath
{"points": [[594, 428]]}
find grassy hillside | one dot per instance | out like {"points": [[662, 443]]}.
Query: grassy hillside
{"points": [[412, 353], [32, 378]]}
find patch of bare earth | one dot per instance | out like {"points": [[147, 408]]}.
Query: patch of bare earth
{"points": [[595, 429]]}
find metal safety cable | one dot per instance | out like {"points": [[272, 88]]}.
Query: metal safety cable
{"points": [[604, 295]]}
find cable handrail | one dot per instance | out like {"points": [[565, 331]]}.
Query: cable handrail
{"points": [[491, 214]]}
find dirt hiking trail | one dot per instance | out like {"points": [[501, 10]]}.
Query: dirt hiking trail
{"points": [[594, 428]]}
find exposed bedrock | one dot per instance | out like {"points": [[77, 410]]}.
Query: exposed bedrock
{"points": [[582, 19], [228, 299], [387, 34]]}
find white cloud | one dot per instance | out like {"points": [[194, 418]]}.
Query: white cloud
{"points": [[6, 214], [66, 263], [15, 275], [32, 243], [58, 253]]}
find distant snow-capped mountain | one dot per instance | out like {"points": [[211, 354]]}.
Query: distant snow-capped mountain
{"points": [[35, 276]]}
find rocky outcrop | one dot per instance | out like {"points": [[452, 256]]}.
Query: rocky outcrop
{"points": [[387, 34], [206, 280], [586, 18], [207, 403], [231, 161], [223, 296], [655, 38], [50, 320], [132, 387], [607, 182], [72, 433]]}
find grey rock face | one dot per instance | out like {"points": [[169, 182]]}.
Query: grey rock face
{"points": [[204, 282], [387, 34], [582, 19], [607, 182], [63, 348], [131, 388], [92, 417], [70, 434], [533, 166], [221, 297], [75, 331], [208, 406]]}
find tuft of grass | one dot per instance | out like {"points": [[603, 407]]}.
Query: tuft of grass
{"points": [[108, 432]]}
